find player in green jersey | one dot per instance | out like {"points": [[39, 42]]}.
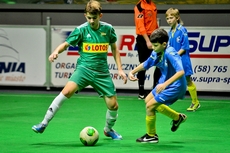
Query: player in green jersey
{"points": [[93, 39]]}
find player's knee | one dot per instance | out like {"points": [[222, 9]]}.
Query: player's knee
{"points": [[111, 102], [152, 105], [113, 106], [66, 93], [150, 108]]}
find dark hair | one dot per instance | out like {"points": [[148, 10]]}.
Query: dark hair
{"points": [[159, 36], [93, 7]]}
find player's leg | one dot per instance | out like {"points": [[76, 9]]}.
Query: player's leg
{"points": [[111, 117], [104, 86], [177, 118], [141, 82], [66, 93], [193, 93], [75, 83], [150, 120], [168, 97]]}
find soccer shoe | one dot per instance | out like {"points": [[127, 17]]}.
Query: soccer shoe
{"points": [[176, 124], [39, 128], [113, 134], [193, 107], [148, 139], [141, 97]]}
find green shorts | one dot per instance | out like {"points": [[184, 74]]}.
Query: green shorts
{"points": [[101, 82]]}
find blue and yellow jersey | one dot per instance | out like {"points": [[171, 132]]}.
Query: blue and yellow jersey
{"points": [[179, 40], [169, 63], [93, 45]]}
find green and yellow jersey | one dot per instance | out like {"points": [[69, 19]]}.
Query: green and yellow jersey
{"points": [[93, 45]]}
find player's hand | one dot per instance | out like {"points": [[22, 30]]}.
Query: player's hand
{"points": [[123, 76], [149, 45], [132, 77], [53, 56], [160, 87]]}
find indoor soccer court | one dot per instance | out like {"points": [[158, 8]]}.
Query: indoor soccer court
{"points": [[205, 131]]}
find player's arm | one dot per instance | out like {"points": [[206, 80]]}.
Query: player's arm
{"points": [[184, 43], [117, 58], [176, 62], [181, 51], [175, 77], [150, 62], [147, 40], [57, 51], [134, 71]]}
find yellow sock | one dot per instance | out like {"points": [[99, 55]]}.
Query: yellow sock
{"points": [[193, 93], [163, 109], [151, 125]]}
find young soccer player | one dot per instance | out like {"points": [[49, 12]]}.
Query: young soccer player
{"points": [[93, 39], [171, 87], [178, 38]]}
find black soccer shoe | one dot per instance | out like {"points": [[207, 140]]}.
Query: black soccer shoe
{"points": [[176, 124], [148, 139]]}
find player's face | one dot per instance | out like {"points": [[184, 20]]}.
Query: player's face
{"points": [[157, 47], [171, 20], [93, 20]]}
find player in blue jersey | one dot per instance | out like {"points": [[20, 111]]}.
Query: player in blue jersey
{"points": [[171, 87], [178, 38], [93, 39]]}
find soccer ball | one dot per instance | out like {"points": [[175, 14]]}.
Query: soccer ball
{"points": [[89, 136]]}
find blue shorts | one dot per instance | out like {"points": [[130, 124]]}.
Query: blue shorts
{"points": [[170, 95]]}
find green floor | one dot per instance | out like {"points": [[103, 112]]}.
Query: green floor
{"points": [[205, 131]]}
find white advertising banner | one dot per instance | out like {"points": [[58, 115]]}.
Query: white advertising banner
{"points": [[210, 55], [22, 56]]}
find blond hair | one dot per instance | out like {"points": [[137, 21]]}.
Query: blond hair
{"points": [[93, 7], [174, 12]]}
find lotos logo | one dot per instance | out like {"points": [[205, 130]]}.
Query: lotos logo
{"points": [[95, 47], [87, 47]]}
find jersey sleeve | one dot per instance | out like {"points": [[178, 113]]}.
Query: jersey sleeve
{"points": [[74, 37], [151, 61], [174, 59], [184, 39], [113, 36]]}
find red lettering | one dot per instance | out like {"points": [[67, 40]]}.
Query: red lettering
{"points": [[96, 47], [63, 65], [66, 75], [93, 48], [115, 75], [106, 47], [86, 47], [127, 40]]}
